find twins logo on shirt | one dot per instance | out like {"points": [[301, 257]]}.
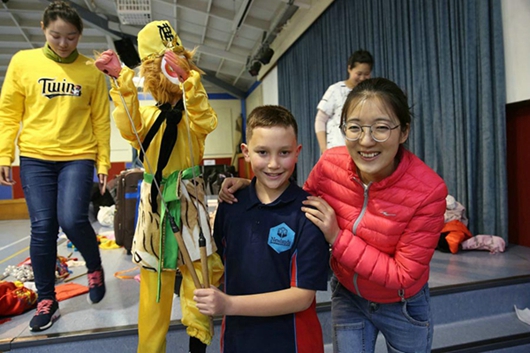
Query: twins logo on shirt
{"points": [[281, 238], [52, 88]]}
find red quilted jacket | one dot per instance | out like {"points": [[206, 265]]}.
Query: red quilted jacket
{"points": [[388, 231]]}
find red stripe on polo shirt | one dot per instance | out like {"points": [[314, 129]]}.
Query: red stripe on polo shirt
{"points": [[308, 331]]}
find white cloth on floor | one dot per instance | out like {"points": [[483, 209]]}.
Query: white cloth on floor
{"points": [[455, 211], [523, 314], [75, 263], [106, 215], [492, 243]]}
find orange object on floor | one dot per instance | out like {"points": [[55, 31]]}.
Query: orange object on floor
{"points": [[15, 299], [69, 290], [454, 233]]}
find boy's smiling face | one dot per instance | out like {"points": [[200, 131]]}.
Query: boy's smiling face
{"points": [[272, 153]]}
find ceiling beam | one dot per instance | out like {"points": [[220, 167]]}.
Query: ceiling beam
{"points": [[15, 20], [305, 4], [22, 7], [221, 62], [190, 41], [210, 77], [238, 21], [217, 12], [205, 29], [241, 72], [128, 30], [97, 21]]}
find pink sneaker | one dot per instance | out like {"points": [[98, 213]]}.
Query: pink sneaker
{"points": [[47, 313], [96, 286]]}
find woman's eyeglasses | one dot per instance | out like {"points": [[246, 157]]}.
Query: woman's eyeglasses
{"points": [[380, 132]]}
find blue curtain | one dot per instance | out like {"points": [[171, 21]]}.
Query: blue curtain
{"points": [[449, 58]]}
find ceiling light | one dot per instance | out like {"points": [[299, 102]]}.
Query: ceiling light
{"points": [[254, 68], [265, 55]]}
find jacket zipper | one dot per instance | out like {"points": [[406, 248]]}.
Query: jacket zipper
{"points": [[356, 224]]}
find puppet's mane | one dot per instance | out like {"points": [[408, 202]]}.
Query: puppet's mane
{"points": [[162, 90]]}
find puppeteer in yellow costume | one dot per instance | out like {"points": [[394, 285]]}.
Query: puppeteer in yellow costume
{"points": [[174, 145]]}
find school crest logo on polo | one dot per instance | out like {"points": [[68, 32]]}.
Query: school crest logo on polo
{"points": [[281, 238]]}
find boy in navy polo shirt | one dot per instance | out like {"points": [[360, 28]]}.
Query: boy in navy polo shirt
{"points": [[275, 258]]}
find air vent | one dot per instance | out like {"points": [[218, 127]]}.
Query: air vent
{"points": [[134, 12]]}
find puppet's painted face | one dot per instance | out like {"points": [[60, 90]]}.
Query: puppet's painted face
{"points": [[62, 37]]}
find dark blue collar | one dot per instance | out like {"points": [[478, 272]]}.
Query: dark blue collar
{"points": [[286, 197]]}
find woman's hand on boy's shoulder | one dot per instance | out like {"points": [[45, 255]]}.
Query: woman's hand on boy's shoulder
{"points": [[229, 187], [318, 211]]}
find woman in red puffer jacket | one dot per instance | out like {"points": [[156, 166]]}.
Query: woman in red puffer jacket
{"points": [[381, 209]]}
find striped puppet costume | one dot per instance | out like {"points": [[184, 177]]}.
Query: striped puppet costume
{"points": [[173, 141]]}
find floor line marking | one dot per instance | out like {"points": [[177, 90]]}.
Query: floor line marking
{"points": [[13, 243], [15, 254]]}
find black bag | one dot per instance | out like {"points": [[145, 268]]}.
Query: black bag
{"points": [[127, 194], [99, 200]]}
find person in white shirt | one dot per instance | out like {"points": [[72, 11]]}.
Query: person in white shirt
{"points": [[327, 121]]}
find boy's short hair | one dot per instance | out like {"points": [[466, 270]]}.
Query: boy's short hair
{"points": [[269, 116]]}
